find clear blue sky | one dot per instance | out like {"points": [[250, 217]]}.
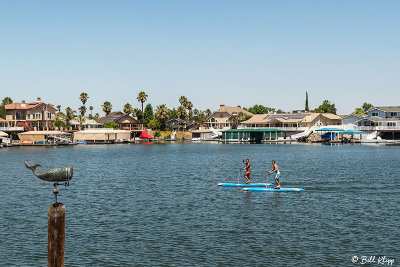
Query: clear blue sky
{"points": [[237, 52]]}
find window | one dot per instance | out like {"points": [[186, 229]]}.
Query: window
{"points": [[374, 114], [18, 115], [393, 114], [28, 115], [391, 124], [48, 115]]}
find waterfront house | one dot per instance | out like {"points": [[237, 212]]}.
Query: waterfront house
{"points": [[124, 121], [176, 124], [33, 116], [384, 120], [222, 118], [87, 124], [292, 123], [351, 121]]}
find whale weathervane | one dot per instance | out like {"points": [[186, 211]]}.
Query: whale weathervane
{"points": [[55, 175]]}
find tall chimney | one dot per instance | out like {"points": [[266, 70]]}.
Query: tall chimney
{"points": [[221, 105], [23, 101], [39, 100]]}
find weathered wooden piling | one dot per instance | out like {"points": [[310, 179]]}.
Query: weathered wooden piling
{"points": [[56, 235]]}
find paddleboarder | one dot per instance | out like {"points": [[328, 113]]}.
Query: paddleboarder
{"points": [[247, 168], [277, 175]]}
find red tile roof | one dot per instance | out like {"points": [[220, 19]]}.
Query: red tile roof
{"points": [[25, 106]]}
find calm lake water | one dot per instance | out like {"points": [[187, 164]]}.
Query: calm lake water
{"points": [[160, 205]]}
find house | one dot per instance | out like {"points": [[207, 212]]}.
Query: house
{"points": [[176, 124], [350, 121], [33, 116], [87, 124], [292, 123], [222, 118], [124, 121], [384, 120]]}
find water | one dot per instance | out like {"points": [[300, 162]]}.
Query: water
{"points": [[160, 205]]}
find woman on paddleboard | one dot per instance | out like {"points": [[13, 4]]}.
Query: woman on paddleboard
{"points": [[247, 168]]}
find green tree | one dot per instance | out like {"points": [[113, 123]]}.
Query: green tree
{"points": [[366, 106], [81, 119], [161, 115], [7, 100], [69, 116], [326, 107], [181, 111], [59, 108], [307, 108], [84, 98], [142, 97], [91, 110], [183, 101], [259, 109], [358, 111], [172, 114], [138, 114], [59, 123], [128, 109], [189, 107], [107, 107], [97, 116], [208, 113], [82, 110], [148, 114], [154, 124], [111, 124]]}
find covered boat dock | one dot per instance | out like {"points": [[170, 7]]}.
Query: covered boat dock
{"points": [[251, 135]]}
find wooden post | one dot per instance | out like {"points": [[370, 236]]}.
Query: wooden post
{"points": [[56, 235]]}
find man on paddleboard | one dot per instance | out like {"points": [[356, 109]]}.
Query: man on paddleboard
{"points": [[278, 174], [247, 168]]}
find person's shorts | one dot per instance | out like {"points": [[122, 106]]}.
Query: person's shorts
{"points": [[278, 174]]}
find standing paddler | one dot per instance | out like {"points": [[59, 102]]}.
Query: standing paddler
{"points": [[278, 174], [247, 168]]}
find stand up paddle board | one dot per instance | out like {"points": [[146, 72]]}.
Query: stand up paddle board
{"points": [[243, 185], [274, 189]]}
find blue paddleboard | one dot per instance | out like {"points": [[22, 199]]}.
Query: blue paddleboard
{"points": [[274, 190], [244, 185]]}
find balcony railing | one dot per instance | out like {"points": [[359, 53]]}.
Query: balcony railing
{"points": [[134, 128], [377, 128], [12, 129], [288, 129]]}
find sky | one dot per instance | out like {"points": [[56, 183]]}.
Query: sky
{"points": [[235, 52]]}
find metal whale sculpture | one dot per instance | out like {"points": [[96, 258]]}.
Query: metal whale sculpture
{"points": [[61, 174]]}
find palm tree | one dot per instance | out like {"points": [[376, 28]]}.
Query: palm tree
{"points": [[7, 100], [162, 113], [82, 110], [181, 114], [183, 101], [81, 120], [128, 109], [107, 107], [142, 97], [208, 113], [189, 107], [91, 111], [59, 108], [69, 115], [83, 97]]}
